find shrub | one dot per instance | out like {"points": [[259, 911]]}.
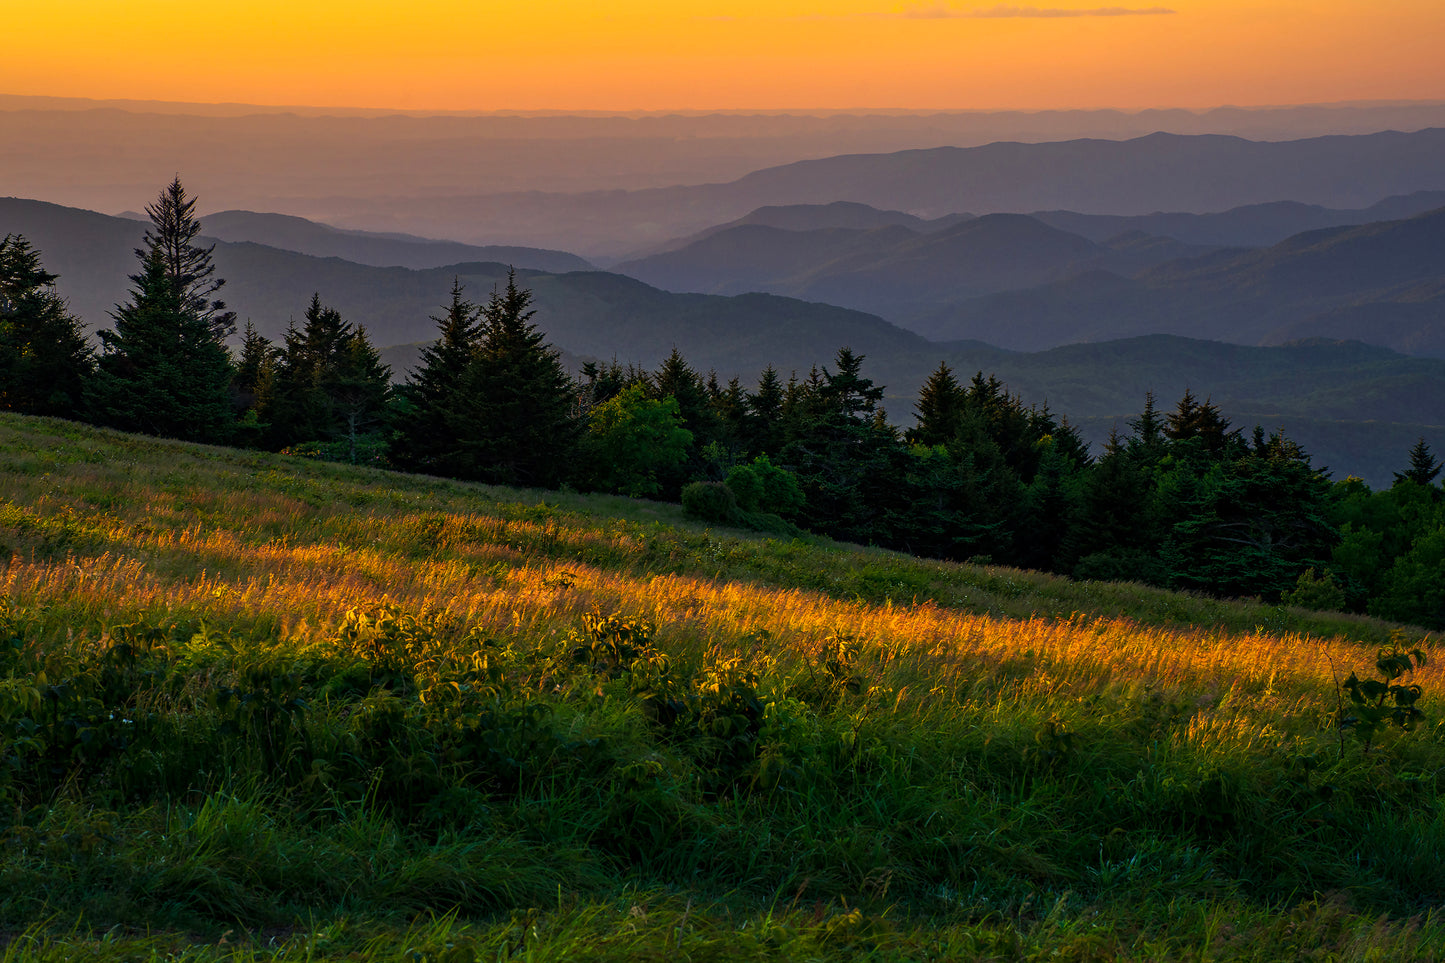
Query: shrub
{"points": [[1313, 591], [710, 501]]}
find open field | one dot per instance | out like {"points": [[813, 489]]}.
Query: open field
{"points": [[256, 707]]}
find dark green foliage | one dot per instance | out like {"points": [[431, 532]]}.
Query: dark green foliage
{"points": [[764, 414], [761, 486], [511, 417], [329, 386], [760, 496], [1203, 423], [1391, 552], [844, 454], [1376, 704], [1250, 524], [698, 413], [45, 361], [1413, 588], [710, 502], [490, 401], [941, 409], [422, 441], [162, 371]]}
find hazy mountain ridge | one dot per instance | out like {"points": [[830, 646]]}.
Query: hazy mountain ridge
{"points": [[292, 233], [896, 272], [1379, 282], [1316, 392]]}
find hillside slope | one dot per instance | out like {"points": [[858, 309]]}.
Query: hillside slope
{"points": [[319, 712]]}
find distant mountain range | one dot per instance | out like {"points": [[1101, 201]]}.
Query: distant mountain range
{"points": [[1357, 408], [1024, 283], [1159, 172], [1252, 225], [380, 250], [897, 272], [1383, 283], [291, 233]]}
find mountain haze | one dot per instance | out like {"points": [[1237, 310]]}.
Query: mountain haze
{"points": [[1383, 283], [896, 272], [381, 250]]}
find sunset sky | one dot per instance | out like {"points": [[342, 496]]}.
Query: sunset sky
{"points": [[717, 54]]}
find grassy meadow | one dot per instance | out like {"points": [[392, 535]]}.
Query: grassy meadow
{"points": [[255, 707]]}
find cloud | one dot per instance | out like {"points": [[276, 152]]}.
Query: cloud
{"points": [[939, 12]]}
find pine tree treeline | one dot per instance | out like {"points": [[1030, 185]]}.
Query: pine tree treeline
{"points": [[1181, 500]]}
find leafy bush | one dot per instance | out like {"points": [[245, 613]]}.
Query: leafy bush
{"points": [[764, 487], [1321, 592], [711, 502]]}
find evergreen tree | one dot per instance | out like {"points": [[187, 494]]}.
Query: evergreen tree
{"points": [[163, 371], [677, 379], [302, 409], [511, 420], [421, 441], [730, 410], [258, 359], [1119, 529], [359, 387], [846, 394], [848, 461], [1423, 466], [174, 228], [330, 386], [1147, 442], [1203, 424], [1251, 524], [45, 362], [1050, 508], [254, 386], [764, 419], [940, 408]]}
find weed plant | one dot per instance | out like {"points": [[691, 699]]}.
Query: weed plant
{"points": [[256, 707]]}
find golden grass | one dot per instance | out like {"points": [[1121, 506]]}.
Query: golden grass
{"points": [[206, 538]]}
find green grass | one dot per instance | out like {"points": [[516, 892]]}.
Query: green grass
{"points": [[255, 707]]}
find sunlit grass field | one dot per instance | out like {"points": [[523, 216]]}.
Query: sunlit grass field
{"points": [[258, 707]]}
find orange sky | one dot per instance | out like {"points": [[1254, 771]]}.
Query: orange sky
{"points": [[716, 54]]}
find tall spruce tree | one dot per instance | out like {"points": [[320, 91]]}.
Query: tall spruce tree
{"points": [[847, 459], [763, 423], [421, 441], [330, 384], [163, 372], [172, 234], [1423, 466], [941, 409], [45, 361], [358, 386], [510, 421]]}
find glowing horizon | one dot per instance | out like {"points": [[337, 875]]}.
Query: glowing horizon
{"points": [[561, 55]]}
